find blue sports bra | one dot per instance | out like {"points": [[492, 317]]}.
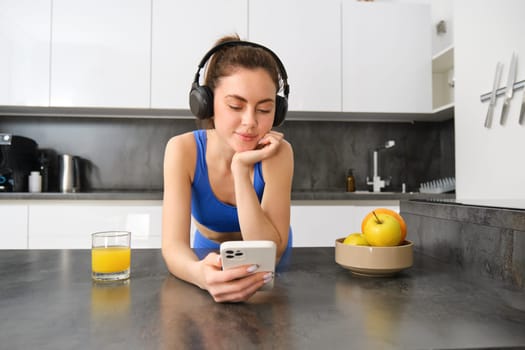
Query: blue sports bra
{"points": [[205, 207]]}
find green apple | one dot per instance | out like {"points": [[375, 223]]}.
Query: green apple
{"points": [[355, 239], [382, 230]]}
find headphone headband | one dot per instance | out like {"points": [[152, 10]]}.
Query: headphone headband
{"points": [[201, 97], [232, 43]]}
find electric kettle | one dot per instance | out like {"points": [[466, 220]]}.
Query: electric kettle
{"points": [[69, 173]]}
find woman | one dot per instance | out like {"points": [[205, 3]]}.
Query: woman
{"points": [[234, 178]]}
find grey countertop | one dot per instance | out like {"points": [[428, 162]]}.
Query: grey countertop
{"points": [[48, 301], [157, 195]]}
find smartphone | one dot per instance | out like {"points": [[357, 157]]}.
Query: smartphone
{"points": [[262, 253]]}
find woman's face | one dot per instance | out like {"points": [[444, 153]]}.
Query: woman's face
{"points": [[244, 106]]}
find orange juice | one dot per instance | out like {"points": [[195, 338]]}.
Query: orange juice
{"points": [[110, 259]]}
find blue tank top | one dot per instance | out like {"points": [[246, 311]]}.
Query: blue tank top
{"points": [[205, 207]]}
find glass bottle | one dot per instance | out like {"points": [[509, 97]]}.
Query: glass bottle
{"points": [[350, 181]]}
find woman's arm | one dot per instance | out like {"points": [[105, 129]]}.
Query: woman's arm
{"points": [[176, 210], [232, 285], [270, 219]]}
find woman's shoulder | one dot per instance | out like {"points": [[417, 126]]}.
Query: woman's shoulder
{"points": [[284, 156], [287, 146], [285, 150], [182, 140], [181, 145]]}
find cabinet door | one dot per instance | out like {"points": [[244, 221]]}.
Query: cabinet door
{"points": [[443, 80], [25, 38], [319, 225], [306, 35], [70, 225], [387, 52], [183, 31], [13, 232], [101, 53]]}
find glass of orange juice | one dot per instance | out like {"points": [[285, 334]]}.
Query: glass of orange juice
{"points": [[110, 255]]}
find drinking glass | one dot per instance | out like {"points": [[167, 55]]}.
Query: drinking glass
{"points": [[110, 255]]}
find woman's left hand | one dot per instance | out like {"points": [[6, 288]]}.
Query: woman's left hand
{"points": [[267, 147]]}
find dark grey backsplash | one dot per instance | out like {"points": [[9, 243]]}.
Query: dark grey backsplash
{"points": [[127, 153], [324, 151]]}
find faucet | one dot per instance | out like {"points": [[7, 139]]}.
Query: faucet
{"points": [[376, 182]]}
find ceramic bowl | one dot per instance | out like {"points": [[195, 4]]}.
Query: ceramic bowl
{"points": [[374, 261]]}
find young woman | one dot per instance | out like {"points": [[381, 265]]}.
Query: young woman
{"points": [[234, 178]]}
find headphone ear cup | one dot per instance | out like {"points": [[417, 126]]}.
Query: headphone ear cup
{"points": [[201, 102], [281, 107]]}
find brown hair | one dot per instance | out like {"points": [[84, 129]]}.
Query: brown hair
{"points": [[228, 59], [225, 61]]}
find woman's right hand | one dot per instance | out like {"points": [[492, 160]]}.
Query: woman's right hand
{"points": [[267, 147], [232, 285]]}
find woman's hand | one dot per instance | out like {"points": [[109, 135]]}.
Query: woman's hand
{"points": [[233, 285], [267, 147]]}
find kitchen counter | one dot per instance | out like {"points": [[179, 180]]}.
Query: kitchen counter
{"points": [[48, 301], [484, 240], [157, 195]]}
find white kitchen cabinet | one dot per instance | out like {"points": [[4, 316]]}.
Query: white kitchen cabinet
{"points": [[306, 35], [320, 223], [13, 223], [25, 38], [100, 53], [69, 224], [387, 52], [496, 153], [443, 80], [183, 31]]}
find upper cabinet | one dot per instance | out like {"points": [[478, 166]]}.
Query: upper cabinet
{"points": [[100, 53], [361, 58], [25, 38], [387, 54], [443, 80], [306, 35], [182, 32]]}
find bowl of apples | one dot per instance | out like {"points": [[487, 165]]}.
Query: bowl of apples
{"points": [[380, 249]]}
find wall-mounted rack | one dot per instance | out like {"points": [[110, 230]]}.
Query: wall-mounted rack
{"points": [[517, 85]]}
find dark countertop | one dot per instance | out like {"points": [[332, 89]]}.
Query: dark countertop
{"points": [[48, 301], [95, 195], [157, 195], [483, 240]]}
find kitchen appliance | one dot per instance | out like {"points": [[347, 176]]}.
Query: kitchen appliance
{"points": [[18, 157], [69, 173], [44, 164]]}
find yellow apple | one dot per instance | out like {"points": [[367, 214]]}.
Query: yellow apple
{"points": [[355, 239], [382, 230], [399, 218]]}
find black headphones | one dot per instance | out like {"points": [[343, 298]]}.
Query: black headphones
{"points": [[201, 97]]}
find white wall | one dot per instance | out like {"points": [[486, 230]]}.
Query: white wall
{"points": [[490, 163], [441, 10]]}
